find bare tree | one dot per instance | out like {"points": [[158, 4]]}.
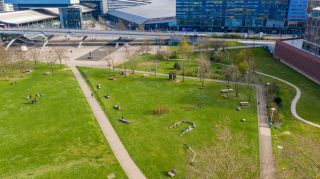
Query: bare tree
{"points": [[110, 62], [51, 60], [302, 155], [228, 72], [185, 50], [236, 77], [35, 55], [21, 57], [61, 54], [204, 68], [225, 158], [4, 61]]}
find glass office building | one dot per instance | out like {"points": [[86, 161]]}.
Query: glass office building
{"points": [[70, 18], [234, 16], [311, 41]]}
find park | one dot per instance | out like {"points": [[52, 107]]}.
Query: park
{"points": [[182, 111]]}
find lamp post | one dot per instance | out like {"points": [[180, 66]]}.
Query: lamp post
{"points": [[272, 112], [268, 84]]}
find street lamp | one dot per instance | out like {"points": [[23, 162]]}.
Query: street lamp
{"points": [[272, 112], [268, 84]]}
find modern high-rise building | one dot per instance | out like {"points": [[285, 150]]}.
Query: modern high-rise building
{"points": [[101, 5], [239, 16], [1, 6], [8, 7], [311, 41], [71, 17]]}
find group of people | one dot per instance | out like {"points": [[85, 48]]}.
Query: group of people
{"points": [[33, 100]]}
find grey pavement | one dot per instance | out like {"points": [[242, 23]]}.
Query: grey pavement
{"points": [[294, 101], [267, 165]]}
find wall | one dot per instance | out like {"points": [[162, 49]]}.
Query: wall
{"points": [[302, 61]]}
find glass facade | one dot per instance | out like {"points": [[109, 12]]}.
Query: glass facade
{"points": [[236, 15], [70, 18], [311, 41]]}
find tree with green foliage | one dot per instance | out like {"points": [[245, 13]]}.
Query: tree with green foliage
{"points": [[177, 66], [185, 49]]}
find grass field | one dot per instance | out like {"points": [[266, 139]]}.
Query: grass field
{"points": [[57, 137], [292, 134], [156, 148]]}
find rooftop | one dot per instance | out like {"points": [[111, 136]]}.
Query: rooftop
{"points": [[158, 9], [25, 16]]}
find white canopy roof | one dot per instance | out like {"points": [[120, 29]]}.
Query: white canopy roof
{"points": [[158, 9]]}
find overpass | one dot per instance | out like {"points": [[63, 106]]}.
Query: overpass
{"points": [[82, 33], [86, 33]]}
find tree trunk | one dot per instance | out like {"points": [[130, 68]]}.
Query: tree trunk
{"points": [[60, 61], [183, 70], [5, 72], [250, 93]]}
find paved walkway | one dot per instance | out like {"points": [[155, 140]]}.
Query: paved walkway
{"points": [[294, 101], [267, 165], [126, 162]]}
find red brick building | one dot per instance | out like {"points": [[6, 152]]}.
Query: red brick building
{"points": [[305, 62]]}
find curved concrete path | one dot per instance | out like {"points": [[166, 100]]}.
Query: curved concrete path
{"points": [[294, 101], [126, 162]]}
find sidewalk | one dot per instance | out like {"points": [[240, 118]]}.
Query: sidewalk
{"points": [[267, 165], [126, 162]]}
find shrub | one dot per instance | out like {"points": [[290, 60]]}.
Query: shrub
{"points": [[278, 101], [161, 109], [177, 66], [174, 55]]}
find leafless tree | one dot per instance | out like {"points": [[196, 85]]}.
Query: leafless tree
{"points": [[4, 60], [51, 60], [204, 67], [21, 58], [110, 62], [225, 158], [228, 72], [302, 155], [35, 55], [236, 78], [61, 54]]}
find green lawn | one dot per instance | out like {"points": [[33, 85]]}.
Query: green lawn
{"points": [[57, 137], [292, 133], [146, 63], [156, 148], [291, 129]]}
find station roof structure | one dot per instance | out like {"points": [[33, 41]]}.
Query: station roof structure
{"points": [[34, 15], [157, 10]]}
